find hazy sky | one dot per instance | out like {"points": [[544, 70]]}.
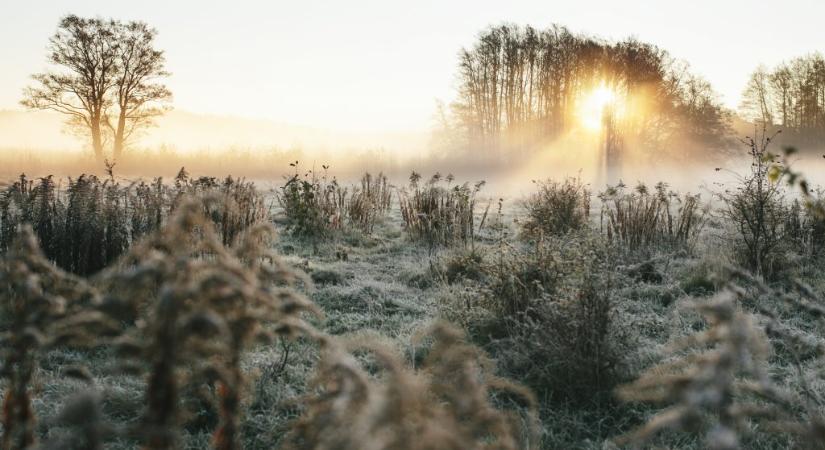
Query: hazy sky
{"points": [[381, 64]]}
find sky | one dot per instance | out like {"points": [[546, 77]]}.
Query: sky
{"points": [[382, 64]]}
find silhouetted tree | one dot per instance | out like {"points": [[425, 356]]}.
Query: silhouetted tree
{"points": [[104, 69], [791, 96], [137, 96], [86, 51], [520, 87], [756, 100]]}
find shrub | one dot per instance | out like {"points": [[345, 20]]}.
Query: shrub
{"points": [[517, 276], [42, 308], [92, 222], [549, 314], [569, 348], [640, 219], [805, 229], [369, 202], [719, 380], [316, 207], [557, 208], [204, 306], [445, 403], [439, 213], [464, 265], [757, 210]]}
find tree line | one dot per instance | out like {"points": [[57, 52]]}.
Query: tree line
{"points": [[104, 78], [520, 87], [790, 96]]}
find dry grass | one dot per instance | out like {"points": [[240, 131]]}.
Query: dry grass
{"points": [[89, 223], [557, 208], [443, 403], [317, 207], [439, 213], [718, 381], [641, 219], [197, 308], [181, 310], [42, 308], [204, 306], [369, 202]]}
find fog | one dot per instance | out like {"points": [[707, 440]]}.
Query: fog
{"points": [[37, 144]]}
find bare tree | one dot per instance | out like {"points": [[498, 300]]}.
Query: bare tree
{"points": [[103, 69], [792, 94], [137, 96], [520, 87], [85, 50], [756, 100], [782, 80]]}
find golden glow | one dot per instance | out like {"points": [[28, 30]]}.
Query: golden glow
{"points": [[592, 107]]}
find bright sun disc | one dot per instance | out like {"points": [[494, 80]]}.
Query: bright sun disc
{"points": [[591, 110]]}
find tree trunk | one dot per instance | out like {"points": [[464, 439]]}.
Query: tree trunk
{"points": [[97, 140], [119, 135]]}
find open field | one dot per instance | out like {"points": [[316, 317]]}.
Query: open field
{"points": [[571, 295], [368, 225]]}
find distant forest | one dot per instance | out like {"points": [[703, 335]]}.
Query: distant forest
{"points": [[790, 97], [520, 89]]}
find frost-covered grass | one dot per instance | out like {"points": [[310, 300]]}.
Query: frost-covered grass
{"points": [[386, 287]]}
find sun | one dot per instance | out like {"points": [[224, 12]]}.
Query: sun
{"points": [[592, 107]]}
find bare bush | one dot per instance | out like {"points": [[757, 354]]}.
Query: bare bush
{"points": [[445, 403], [641, 218], [42, 308], [439, 213], [369, 203], [757, 210], [569, 347], [204, 306], [91, 222], [718, 381], [557, 207]]}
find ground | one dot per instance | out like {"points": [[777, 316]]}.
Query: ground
{"points": [[389, 288]]}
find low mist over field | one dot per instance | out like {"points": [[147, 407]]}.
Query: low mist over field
{"points": [[187, 132], [39, 144], [376, 225], [516, 90]]}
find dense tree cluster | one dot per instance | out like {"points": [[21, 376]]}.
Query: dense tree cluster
{"points": [[790, 96], [522, 87]]}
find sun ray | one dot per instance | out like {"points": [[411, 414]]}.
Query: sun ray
{"points": [[592, 107]]}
